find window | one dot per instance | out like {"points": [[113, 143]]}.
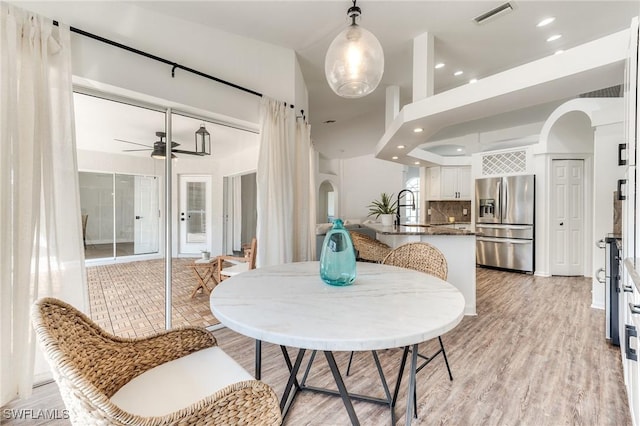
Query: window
{"points": [[412, 183]]}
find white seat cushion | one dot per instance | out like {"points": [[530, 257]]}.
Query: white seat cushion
{"points": [[235, 269], [179, 383]]}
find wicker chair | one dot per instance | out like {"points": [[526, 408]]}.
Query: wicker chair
{"points": [[238, 264], [369, 249], [91, 366], [426, 258]]}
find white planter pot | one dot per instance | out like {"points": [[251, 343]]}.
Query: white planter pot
{"points": [[387, 219]]}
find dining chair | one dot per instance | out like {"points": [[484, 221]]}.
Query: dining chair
{"points": [[179, 376], [369, 249], [239, 263], [426, 258]]}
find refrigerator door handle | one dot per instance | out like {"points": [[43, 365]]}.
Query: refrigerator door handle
{"points": [[503, 240], [484, 225], [502, 190]]}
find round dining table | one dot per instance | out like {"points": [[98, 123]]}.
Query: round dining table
{"points": [[386, 307]]}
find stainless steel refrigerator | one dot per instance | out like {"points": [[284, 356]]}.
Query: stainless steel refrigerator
{"points": [[505, 222]]}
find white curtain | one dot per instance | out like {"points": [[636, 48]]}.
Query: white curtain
{"points": [[41, 250], [286, 187]]}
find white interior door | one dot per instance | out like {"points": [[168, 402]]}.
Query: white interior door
{"points": [[146, 215], [195, 214], [567, 217]]}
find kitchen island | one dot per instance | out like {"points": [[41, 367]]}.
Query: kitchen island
{"points": [[458, 247]]}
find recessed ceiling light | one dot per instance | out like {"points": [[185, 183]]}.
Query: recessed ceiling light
{"points": [[559, 52], [546, 21], [418, 130], [416, 163], [439, 65], [459, 149], [457, 73], [395, 157], [400, 146], [473, 80], [554, 37]]}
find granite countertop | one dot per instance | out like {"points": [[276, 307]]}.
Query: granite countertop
{"points": [[417, 230], [448, 223]]}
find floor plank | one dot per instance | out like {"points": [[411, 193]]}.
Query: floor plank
{"points": [[534, 355]]}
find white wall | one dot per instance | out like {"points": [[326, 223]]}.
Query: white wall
{"points": [[226, 56], [363, 179]]}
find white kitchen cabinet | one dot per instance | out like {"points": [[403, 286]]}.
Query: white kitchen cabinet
{"points": [[448, 183], [629, 298], [629, 327]]}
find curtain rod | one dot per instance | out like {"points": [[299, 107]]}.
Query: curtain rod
{"points": [[159, 59]]}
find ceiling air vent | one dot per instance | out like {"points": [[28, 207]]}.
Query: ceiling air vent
{"points": [[608, 92], [493, 13]]}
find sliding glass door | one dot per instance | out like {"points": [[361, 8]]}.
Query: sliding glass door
{"points": [[120, 215]]}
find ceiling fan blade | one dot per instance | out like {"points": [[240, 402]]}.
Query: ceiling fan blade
{"points": [[133, 150], [134, 143]]}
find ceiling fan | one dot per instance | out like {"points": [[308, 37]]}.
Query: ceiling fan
{"points": [[159, 147]]}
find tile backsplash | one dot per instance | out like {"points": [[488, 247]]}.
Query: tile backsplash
{"points": [[442, 210]]}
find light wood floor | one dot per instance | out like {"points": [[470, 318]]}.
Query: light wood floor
{"points": [[534, 355]]}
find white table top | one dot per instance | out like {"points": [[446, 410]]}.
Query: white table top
{"points": [[386, 307]]}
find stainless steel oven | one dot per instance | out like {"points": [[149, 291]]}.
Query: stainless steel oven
{"points": [[611, 280]]}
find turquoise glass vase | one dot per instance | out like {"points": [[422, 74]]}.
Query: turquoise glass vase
{"points": [[338, 258]]}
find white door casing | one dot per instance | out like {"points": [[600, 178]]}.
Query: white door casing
{"points": [[567, 217], [146, 223], [194, 215]]}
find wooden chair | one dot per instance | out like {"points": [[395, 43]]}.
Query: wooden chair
{"points": [[174, 377], [426, 258], [369, 249], [239, 264]]}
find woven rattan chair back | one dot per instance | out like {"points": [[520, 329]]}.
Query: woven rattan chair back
{"points": [[90, 365], [419, 256], [369, 249]]}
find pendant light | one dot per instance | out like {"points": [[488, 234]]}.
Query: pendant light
{"points": [[355, 61], [203, 141]]}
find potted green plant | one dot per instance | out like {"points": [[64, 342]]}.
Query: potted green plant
{"points": [[384, 208]]}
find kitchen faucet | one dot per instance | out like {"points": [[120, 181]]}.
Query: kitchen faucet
{"points": [[398, 205]]}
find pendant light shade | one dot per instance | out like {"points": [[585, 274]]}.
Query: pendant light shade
{"points": [[355, 61]]}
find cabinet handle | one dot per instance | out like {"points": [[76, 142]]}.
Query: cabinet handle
{"points": [[627, 289], [629, 332], [635, 309], [621, 147], [620, 183]]}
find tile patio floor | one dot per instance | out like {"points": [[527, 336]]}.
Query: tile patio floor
{"points": [[127, 299]]}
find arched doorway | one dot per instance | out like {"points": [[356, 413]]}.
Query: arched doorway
{"points": [[327, 202]]}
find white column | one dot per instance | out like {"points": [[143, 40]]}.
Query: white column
{"points": [[423, 63], [392, 105]]}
